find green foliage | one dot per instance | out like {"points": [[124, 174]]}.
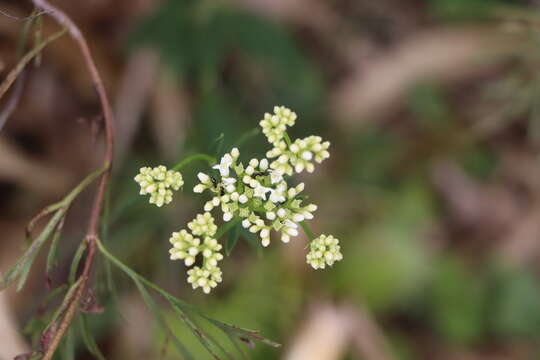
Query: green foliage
{"points": [[465, 10], [198, 38], [457, 301], [515, 307]]}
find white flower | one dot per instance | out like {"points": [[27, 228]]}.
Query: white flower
{"points": [[260, 191], [324, 250], [276, 196], [276, 176], [224, 165]]}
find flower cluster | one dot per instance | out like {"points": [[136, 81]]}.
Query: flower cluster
{"points": [[324, 250], [186, 247], [255, 194], [158, 182]]}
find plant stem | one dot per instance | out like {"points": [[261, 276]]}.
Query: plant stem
{"points": [[93, 228], [210, 160], [307, 230], [12, 76]]}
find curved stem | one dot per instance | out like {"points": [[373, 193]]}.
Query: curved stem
{"points": [[210, 160], [307, 230], [93, 228]]}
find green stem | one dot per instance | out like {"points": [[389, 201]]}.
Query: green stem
{"points": [[83, 184], [247, 136], [210, 160], [307, 230], [132, 273]]}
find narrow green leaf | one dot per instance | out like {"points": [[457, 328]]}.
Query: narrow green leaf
{"points": [[197, 332], [68, 351], [242, 332], [159, 317], [227, 226], [234, 340], [253, 241], [63, 306], [232, 239], [76, 260], [53, 250], [89, 340], [23, 265]]}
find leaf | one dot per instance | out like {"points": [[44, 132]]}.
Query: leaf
{"points": [[53, 250], [89, 340], [23, 265], [197, 332], [68, 352], [253, 241], [232, 239], [63, 306], [159, 317], [241, 333], [76, 260]]}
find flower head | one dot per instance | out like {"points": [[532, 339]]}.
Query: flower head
{"points": [[158, 182], [206, 278], [324, 250], [275, 125]]}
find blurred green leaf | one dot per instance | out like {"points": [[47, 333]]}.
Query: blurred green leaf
{"points": [[457, 301], [232, 239], [23, 265], [515, 307]]}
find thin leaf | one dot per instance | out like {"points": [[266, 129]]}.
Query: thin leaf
{"points": [[234, 340], [197, 332], [232, 239], [12, 75], [53, 250], [23, 265], [68, 352], [252, 241], [159, 317], [76, 260], [89, 340], [63, 306], [242, 332]]}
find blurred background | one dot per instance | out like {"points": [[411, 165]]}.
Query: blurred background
{"points": [[432, 187]]}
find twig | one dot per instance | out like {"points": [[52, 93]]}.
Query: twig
{"points": [[13, 74], [13, 100], [92, 233], [17, 18]]}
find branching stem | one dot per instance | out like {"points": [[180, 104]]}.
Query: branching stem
{"points": [[92, 234]]}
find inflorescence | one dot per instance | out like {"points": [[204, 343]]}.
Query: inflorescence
{"points": [[256, 194]]}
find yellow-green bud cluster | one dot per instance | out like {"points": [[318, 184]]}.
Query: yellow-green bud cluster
{"points": [[324, 250], [158, 182], [274, 126], [186, 247], [300, 156]]}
